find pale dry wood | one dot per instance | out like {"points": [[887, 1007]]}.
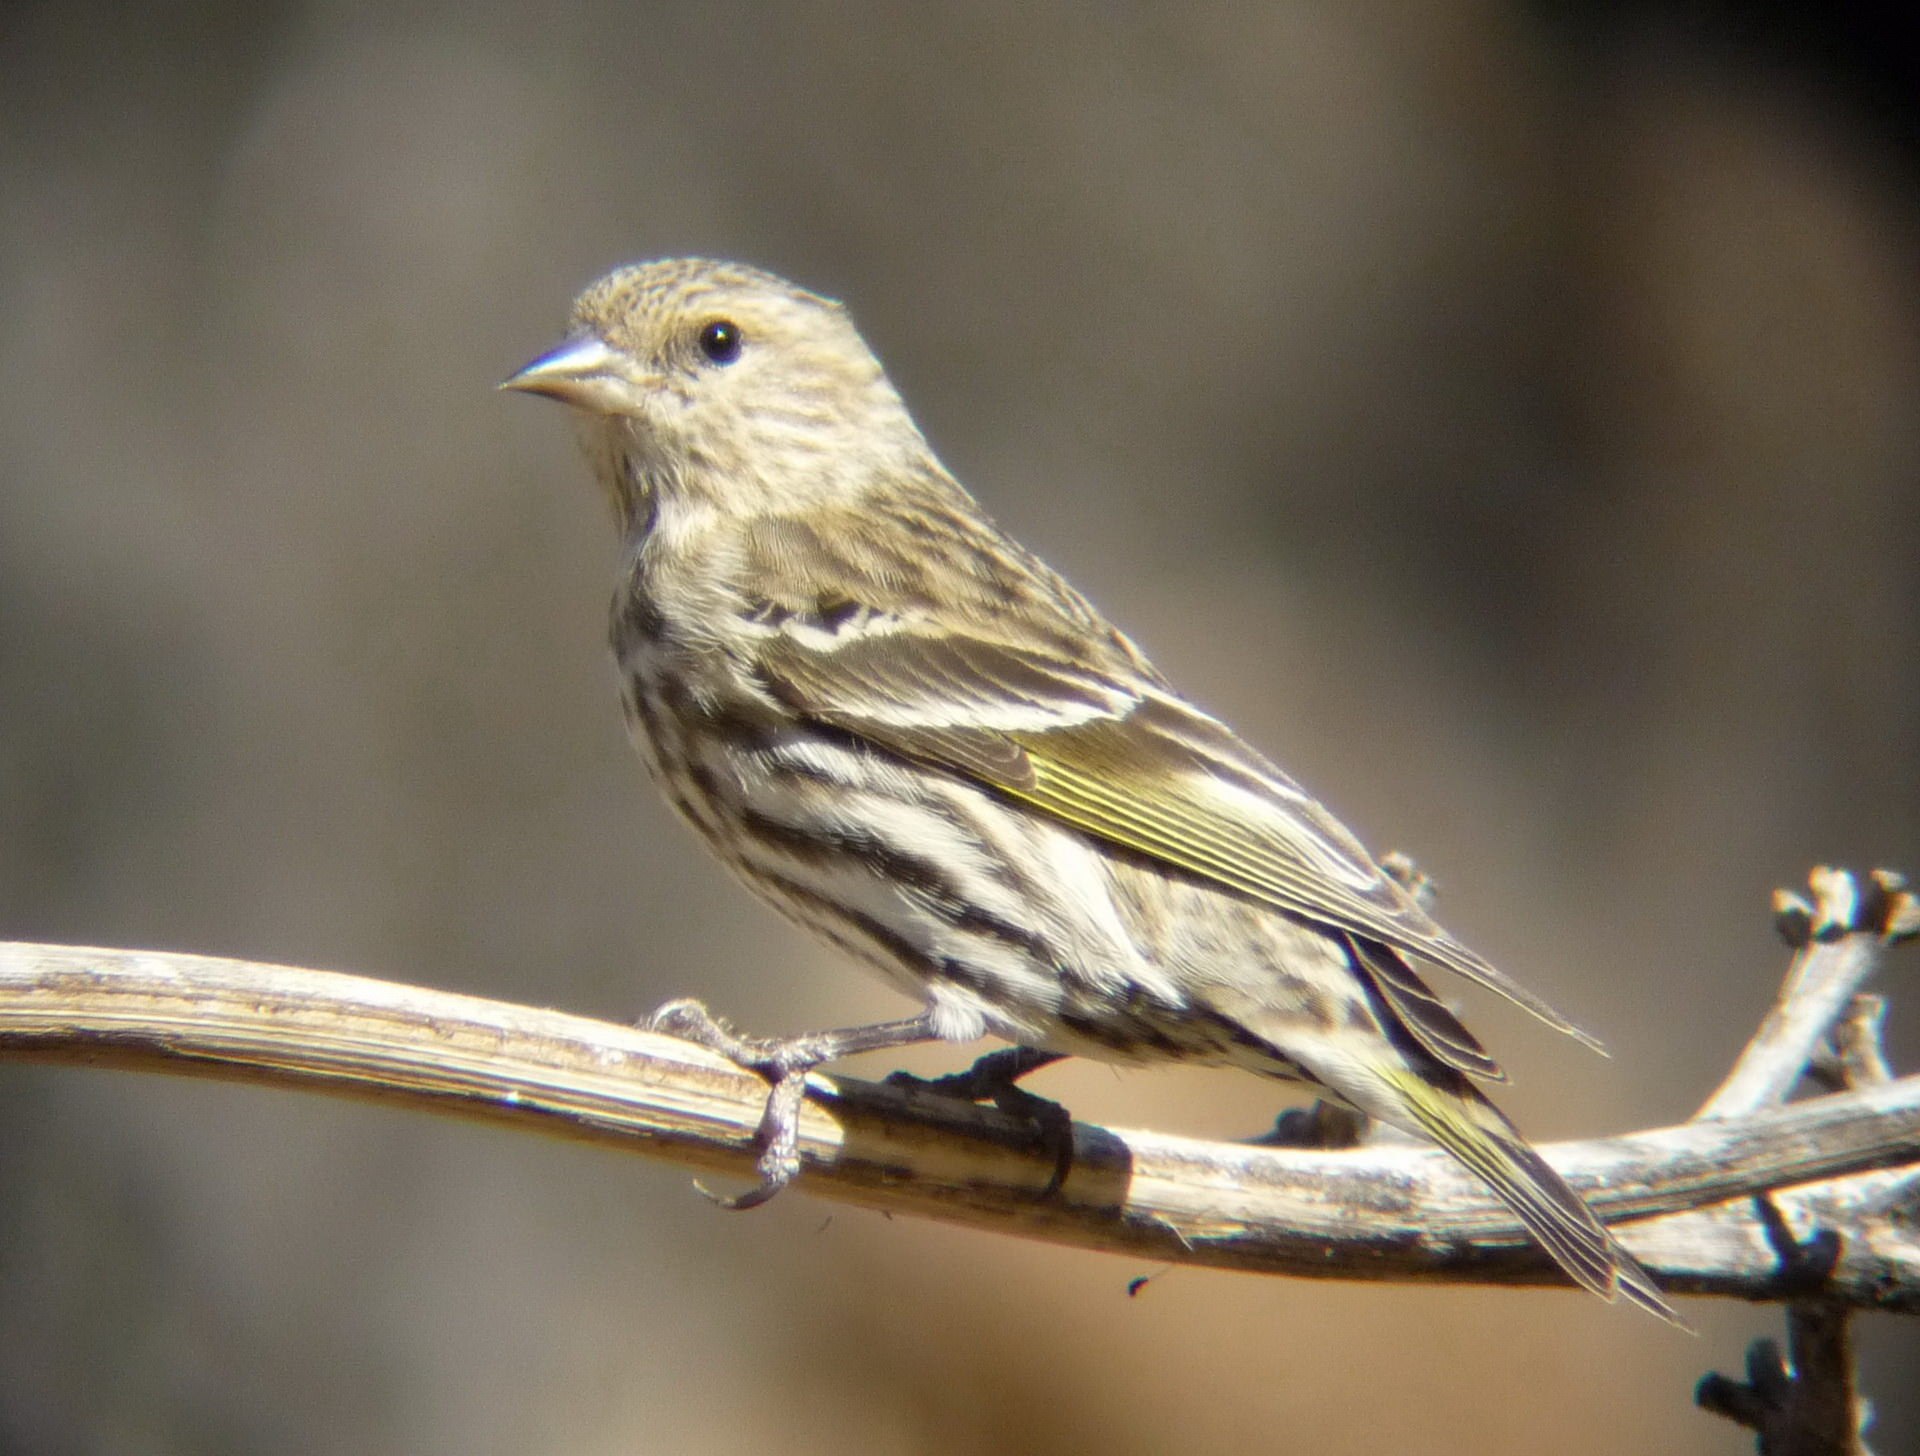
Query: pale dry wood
{"points": [[1825, 1029], [1387, 1212], [1827, 973]]}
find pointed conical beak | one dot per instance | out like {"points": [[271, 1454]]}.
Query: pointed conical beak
{"points": [[582, 372]]}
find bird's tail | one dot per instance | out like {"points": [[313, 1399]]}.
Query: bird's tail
{"points": [[1442, 1104]]}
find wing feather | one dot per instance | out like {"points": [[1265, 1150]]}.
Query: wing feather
{"points": [[1128, 762]]}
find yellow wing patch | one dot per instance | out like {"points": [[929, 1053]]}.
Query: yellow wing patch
{"points": [[1124, 762]]}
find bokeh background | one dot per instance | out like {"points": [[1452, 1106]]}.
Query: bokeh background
{"points": [[1505, 413]]}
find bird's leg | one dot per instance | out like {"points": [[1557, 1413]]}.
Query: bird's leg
{"points": [[989, 1079], [992, 1079], [784, 1062]]}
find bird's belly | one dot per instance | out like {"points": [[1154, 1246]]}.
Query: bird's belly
{"points": [[1002, 921]]}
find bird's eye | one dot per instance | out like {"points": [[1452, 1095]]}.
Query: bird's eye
{"points": [[720, 341]]}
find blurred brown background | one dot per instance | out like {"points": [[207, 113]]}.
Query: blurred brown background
{"points": [[1504, 413]]}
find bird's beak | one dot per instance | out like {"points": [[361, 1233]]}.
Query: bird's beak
{"points": [[582, 372]]}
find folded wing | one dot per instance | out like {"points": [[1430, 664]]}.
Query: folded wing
{"points": [[1120, 758]]}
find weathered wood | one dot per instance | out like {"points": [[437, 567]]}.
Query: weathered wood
{"points": [[1822, 1028], [1385, 1212]]}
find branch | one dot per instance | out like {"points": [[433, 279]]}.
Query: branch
{"points": [[1387, 1212], [1823, 1028], [1838, 939]]}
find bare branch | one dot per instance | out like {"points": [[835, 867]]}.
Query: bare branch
{"points": [[1825, 1028], [1832, 965], [1389, 1212], [1859, 1057], [1802, 1403]]}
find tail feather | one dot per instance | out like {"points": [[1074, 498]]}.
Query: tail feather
{"points": [[1429, 1019], [1448, 1109], [1639, 1288]]}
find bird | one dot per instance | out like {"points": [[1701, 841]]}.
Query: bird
{"points": [[918, 741]]}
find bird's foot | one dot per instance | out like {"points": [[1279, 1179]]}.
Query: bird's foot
{"points": [[992, 1078], [1328, 1126], [784, 1062]]}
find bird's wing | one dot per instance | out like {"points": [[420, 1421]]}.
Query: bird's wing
{"points": [[1124, 760]]}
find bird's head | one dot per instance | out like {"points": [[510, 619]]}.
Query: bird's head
{"points": [[718, 382]]}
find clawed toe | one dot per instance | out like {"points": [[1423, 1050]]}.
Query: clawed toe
{"points": [[784, 1062], [689, 1020], [779, 1140], [991, 1079]]}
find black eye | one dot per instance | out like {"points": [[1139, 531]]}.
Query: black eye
{"points": [[720, 341]]}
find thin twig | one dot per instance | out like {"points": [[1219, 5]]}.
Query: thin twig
{"points": [[1825, 976]]}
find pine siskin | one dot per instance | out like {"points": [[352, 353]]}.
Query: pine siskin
{"points": [[914, 738]]}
